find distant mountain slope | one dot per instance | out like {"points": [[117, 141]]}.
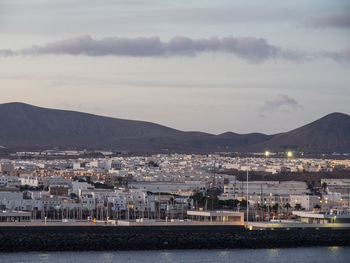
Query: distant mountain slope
{"points": [[28, 127], [328, 134], [24, 124]]}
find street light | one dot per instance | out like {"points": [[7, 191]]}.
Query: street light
{"points": [[289, 154], [267, 153]]}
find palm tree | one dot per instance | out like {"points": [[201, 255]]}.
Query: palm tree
{"points": [[324, 187], [287, 206], [275, 208], [297, 207], [317, 207]]}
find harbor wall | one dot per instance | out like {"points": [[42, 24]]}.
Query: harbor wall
{"points": [[81, 238]]}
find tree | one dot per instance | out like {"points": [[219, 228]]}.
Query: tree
{"points": [[153, 164], [103, 186], [229, 204], [324, 187], [275, 208], [297, 207], [209, 200], [199, 199], [287, 206], [243, 203]]}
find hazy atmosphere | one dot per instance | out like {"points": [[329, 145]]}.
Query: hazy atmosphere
{"points": [[241, 66]]}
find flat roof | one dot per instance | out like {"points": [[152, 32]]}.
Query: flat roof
{"points": [[214, 213], [310, 214], [14, 213]]}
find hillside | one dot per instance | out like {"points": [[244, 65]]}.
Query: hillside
{"points": [[25, 126], [328, 134]]}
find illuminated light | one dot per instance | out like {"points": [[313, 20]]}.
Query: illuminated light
{"points": [[165, 254], [289, 154], [334, 248], [267, 153]]}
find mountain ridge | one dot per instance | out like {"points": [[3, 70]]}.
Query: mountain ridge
{"points": [[26, 126]]}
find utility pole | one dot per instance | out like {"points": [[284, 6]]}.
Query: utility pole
{"points": [[247, 199], [262, 201], [234, 190], [159, 205], [107, 211], [212, 188]]}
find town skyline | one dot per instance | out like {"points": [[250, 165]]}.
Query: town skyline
{"points": [[174, 131]]}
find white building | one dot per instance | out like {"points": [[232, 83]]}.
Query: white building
{"points": [[188, 187], [308, 202], [6, 167], [78, 187], [76, 166], [264, 188], [33, 181], [9, 181], [123, 200], [338, 185]]}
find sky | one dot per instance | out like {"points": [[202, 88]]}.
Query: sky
{"points": [[194, 65]]}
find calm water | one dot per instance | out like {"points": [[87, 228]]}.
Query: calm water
{"points": [[324, 254]]}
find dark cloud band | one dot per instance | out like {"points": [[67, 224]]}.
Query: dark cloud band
{"points": [[338, 20], [252, 49], [249, 48], [340, 56]]}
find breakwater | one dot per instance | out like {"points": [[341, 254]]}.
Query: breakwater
{"points": [[80, 238]]}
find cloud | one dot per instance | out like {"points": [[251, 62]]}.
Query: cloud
{"points": [[282, 103], [249, 48], [338, 20], [341, 56], [254, 50], [7, 53]]}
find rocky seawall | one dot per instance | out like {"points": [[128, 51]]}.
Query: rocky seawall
{"points": [[80, 238]]}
